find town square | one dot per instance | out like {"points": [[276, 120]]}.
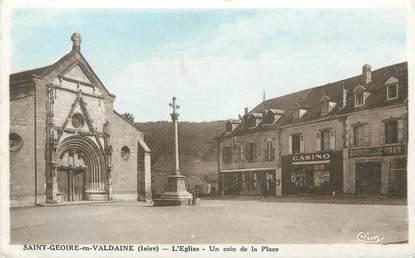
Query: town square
{"points": [[214, 221], [136, 128]]}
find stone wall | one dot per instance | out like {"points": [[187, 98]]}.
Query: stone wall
{"points": [[22, 160], [125, 173]]}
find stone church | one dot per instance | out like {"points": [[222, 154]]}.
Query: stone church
{"points": [[67, 143]]}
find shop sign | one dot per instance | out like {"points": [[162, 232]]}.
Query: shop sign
{"points": [[311, 158], [378, 151]]}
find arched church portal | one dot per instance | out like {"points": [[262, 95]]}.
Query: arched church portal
{"points": [[81, 170]]}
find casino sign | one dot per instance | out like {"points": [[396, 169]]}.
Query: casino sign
{"points": [[311, 158], [378, 151]]}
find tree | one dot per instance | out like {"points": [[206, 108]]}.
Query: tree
{"points": [[128, 116]]}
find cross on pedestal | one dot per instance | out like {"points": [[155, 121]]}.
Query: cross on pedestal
{"points": [[175, 193], [175, 116]]}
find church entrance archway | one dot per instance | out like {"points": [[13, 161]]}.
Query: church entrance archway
{"points": [[80, 174]]}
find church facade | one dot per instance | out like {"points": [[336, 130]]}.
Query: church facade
{"points": [[67, 143]]}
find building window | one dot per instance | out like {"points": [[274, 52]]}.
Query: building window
{"points": [[391, 131], [392, 91], [227, 154], [358, 137], [398, 176], [250, 152], [325, 140], [77, 120], [359, 98], [125, 153], [296, 143], [269, 150], [15, 142], [325, 107]]}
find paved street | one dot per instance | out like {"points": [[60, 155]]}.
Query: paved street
{"points": [[237, 220]]}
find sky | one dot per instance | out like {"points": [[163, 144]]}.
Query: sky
{"points": [[216, 62]]}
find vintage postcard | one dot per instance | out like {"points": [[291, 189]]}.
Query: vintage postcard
{"points": [[219, 129]]}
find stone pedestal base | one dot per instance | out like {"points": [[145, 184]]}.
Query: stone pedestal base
{"points": [[175, 194]]}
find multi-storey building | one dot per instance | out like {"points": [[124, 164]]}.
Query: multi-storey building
{"points": [[348, 136]]}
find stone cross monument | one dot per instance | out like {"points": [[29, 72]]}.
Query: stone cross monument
{"points": [[174, 118], [175, 193]]}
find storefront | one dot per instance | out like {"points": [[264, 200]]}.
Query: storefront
{"points": [[380, 170], [317, 173], [250, 182]]}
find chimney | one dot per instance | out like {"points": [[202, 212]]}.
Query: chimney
{"points": [[246, 110], [366, 74], [344, 97], [76, 42]]}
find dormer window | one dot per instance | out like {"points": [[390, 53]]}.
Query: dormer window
{"points": [[325, 108], [231, 125], [359, 99], [254, 120], [391, 88], [271, 116], [326, 105], [360, 96], [392, 91]]}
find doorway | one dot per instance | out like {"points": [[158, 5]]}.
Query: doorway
{"points": [[71, 183], [368, 177]]}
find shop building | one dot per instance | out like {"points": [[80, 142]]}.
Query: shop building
{"points": [[348, 136], [376, 156]]}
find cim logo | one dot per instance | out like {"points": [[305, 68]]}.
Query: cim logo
{"points": [[370, 238]]}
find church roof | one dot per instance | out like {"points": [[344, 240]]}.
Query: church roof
{"points": [[27, 76], [72, 58]]}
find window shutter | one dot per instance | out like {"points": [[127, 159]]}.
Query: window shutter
{"points": [[301, 143], [366, 133], [332, 139], [318, 142], [247, 151], [254, 149], [258, 145], [351, 137], [400, 130], [272, 151], [382, 134], [405, 130], [290, 144], [241, 152]]}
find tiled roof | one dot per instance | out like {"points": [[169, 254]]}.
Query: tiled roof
{"points": [[26, 76], [309, 99]]}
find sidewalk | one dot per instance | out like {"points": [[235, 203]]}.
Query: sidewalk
{"points": [[308, 198]]}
